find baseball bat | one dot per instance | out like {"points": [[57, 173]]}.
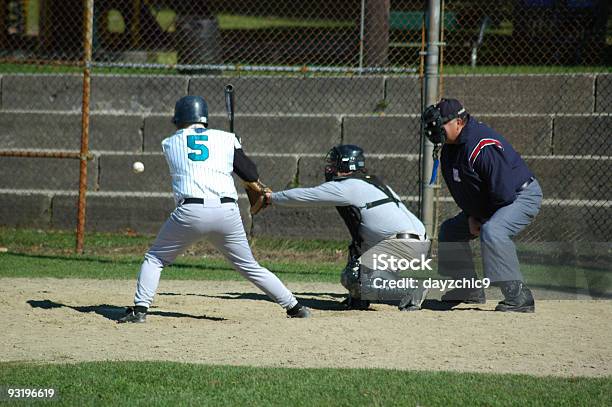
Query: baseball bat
{"points": [[229, 105]]}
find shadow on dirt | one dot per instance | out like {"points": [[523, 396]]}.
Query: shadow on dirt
{"points": [[314, 303], [113, 312], [323, 304]]}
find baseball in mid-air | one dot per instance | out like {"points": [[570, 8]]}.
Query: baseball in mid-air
{"points": [[137, 167]]}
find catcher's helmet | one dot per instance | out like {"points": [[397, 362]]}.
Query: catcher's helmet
{"points": [[344, 158], [190, 109], [436, 116]]}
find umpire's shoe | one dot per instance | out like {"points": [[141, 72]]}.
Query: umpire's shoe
{"points": [[134, 315], [298, 311], [517, 297], [465, 295]]}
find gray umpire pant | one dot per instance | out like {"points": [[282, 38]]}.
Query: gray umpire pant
{"points": [[499, 258], [223, 227]]}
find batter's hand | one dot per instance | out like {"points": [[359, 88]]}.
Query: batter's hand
{"points": [[257, 191], [474, 226]]}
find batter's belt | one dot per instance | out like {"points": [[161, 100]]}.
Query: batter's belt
{"points": [[200, 201]]}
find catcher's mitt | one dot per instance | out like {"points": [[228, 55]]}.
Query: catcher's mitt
{"points": [[256, 191]]}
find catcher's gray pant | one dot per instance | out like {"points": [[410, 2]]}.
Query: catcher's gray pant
{"points": [[359, 276], [499, 258], [221, 225], [406, 249]]}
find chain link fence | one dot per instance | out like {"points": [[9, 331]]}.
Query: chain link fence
{"points": [[41, 116], [539, 73], [307, 76], [536, 72]]}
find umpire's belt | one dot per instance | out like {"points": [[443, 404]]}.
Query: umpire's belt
{"points": [[200, 201], [410, 236]]}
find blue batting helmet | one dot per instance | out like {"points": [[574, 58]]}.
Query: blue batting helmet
{"points": [[190, 109]]}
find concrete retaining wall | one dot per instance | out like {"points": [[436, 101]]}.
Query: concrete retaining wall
{"points": [[287, 125]]}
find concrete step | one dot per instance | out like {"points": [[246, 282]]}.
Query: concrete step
{"points": [[144, 213], [571, 93], [542, 134]]}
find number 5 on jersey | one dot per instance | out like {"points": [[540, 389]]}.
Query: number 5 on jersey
{"points": [[201, 153]]}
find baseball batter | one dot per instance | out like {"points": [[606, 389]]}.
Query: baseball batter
{"points": [[372, 212], [201, 162]]}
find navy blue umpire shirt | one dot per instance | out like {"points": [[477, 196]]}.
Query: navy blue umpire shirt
{"points": [[482, 171]]}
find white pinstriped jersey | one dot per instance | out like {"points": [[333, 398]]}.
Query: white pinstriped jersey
{"points": [[201, 162]]}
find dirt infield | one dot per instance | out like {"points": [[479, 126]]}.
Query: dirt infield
{"points": [[69, 320]]}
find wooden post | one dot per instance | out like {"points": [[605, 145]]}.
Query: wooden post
{"points": [[3, 41], [376, 36], [87, 53]]}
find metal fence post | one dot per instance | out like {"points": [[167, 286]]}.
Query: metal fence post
{"points": [[87, 51], [361, 34], [431, 97]]}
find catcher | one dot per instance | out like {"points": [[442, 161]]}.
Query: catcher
{"points": [[201, 161], [376, 218]]}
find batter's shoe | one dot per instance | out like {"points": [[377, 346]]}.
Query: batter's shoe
{"points": [[133, 316], [465, 296], [414, 299], [298, 311], [517, 298], [356, 303]]}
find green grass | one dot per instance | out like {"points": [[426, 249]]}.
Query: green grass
{"points": [[168, 383], [38, 253], [244, 22], [126, 267], [522, 69], [166, 18], [76, 69], [96, 242]]}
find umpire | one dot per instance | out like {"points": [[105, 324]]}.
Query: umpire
{"points": [[498, 195]]}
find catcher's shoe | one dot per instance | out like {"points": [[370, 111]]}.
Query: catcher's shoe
{"points": [[414, 299], [298, 311], [517, 298], [352, 303], [465, 295], [133, 316]]}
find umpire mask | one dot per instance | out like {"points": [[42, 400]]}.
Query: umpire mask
{"points": [[436, 116], [433, 125]]}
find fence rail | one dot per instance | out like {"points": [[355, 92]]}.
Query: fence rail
{"points": [[306, 76]]}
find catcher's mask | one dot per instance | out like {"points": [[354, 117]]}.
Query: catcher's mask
{"points": [[190, 110], [344, 158], [436, 116]]}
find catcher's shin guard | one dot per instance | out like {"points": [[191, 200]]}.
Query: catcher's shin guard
{"points": [[350, 277], [413, 300], [352, 303]]}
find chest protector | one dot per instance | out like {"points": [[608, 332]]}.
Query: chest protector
{"points": [[352, 214]]}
